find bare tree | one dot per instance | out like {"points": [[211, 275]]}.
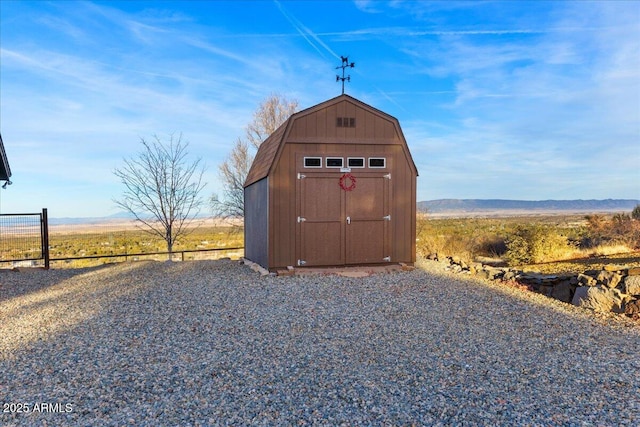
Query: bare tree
{"points": [[233, 172], [162, 190], [271, 113]]}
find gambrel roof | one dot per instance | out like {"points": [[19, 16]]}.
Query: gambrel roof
{"points": [[266, 155], [317, 125]]}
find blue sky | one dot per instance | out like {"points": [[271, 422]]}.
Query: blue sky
{"points": [[514, 100]]}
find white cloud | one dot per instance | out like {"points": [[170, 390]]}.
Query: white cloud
{"points": [[486, 103]]}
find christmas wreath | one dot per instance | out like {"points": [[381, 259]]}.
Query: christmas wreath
{"points": [[343, 182]]}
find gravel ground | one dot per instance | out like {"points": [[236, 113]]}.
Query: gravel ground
{"points": [[213, 343]]}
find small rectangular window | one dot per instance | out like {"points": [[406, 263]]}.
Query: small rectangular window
{"points": [[313, 162], [339, 122], [377, 162], [352, 122], [334, 162], [355, 162]]}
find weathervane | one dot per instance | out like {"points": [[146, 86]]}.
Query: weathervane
{"points": [[345, 64]]}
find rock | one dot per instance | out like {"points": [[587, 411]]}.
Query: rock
{"points": [[599, 298], [586, 280], [632, 308], [609, 278], [492, 272], [433, 256], [563, 291], [539, 279], [632, 285], [592, 273], [544, 289], [474, 267], [634, 271], [509, 275]]}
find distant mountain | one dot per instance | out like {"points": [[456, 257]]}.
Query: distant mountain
{"points": [[491, 205], [117, 217], [87, 220], [122, 215]]}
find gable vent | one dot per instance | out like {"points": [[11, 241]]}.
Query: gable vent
{"points": [[346, 122]]}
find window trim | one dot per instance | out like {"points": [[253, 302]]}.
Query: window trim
{"points": [[384, 161], [364, 163], [304, 162], [326, 162]]}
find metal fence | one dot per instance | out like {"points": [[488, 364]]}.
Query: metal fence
{"points": [[33, 239], [23, 237]]}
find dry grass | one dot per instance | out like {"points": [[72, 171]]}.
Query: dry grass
{"points": [[592, 239], [628, 259]]}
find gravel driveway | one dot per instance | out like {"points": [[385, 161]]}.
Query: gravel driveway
{"points": [[213, 343]]}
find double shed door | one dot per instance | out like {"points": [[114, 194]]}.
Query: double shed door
{"points": [[340, 227]]}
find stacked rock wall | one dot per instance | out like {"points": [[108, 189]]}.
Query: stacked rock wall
{"points": [[612, 289]]}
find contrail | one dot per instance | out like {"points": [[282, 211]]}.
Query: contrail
{"points": [[305, 32], [308, 35]]}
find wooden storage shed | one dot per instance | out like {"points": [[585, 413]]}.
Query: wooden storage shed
{"points": [[335, 185]]}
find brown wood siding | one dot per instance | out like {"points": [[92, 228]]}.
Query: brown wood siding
{"points": [[256, 222], [283, 209], [320, 126], [403, 209]]}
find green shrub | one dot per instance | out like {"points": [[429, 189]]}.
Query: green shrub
{"points": [[635, 213], [532, 244]]}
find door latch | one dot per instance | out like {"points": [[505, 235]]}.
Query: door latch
{"points": [[348, 220]]}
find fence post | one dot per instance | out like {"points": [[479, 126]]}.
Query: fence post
{"points": [[44, 229]]}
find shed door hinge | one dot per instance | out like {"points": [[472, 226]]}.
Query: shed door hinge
{"points": [[301, 176], [387, 259], [301, 219], [388, 176], [388, 217], [301, 262]]}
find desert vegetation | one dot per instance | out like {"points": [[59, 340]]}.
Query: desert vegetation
{"points": [[534, 240], [126, 241]]}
